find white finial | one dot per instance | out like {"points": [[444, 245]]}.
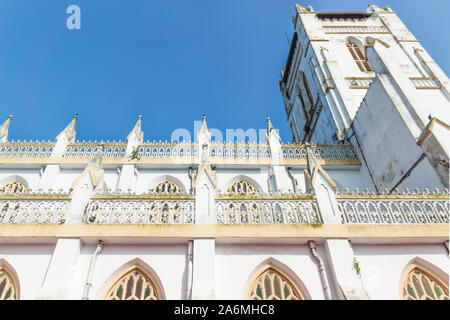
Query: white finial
{"points": [[4, 128]]}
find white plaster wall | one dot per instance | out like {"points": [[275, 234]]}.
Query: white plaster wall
{"points": [[235, 266], [66, 178], [30, 263], [168, 262], [382, 266], [111, 178]]}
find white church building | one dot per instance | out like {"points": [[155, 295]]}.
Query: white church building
{"points": [[356, 207]]}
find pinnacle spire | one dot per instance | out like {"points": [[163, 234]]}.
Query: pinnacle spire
{"points": [[4, 129], [204, 126], [70, 129], [137, 130]]}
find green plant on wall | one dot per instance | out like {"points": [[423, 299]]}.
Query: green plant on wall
{"points": [[135, 154], [356, 266]]}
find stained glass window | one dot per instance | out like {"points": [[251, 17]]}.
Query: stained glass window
{"points": [[272, 285], [422, 285], [242, 187], [166, 187], [134, 285], [13, 187], [358, 56], [7, 288]]}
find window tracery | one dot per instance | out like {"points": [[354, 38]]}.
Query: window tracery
{"points": [[134, 285], [13, 187], [273, 285], [423, 285], [242, 187]]}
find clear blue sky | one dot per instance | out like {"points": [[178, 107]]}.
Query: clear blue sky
{"points": [[170, 61]]}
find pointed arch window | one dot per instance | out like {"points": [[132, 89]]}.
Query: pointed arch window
{"points": [[272, 284], [166, 187], [242, 187], [8, 286], [135, 284], [14, 187], [421, 284], [359, 57]]}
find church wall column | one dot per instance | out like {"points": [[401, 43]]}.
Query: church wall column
{"points": [[343, 268], [282, 180], [127, 172], [203, 287], [52, 171], [62, 280]]}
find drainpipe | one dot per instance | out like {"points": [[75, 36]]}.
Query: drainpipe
{"points": [[88, 284], [189, 271], [323, 275]]}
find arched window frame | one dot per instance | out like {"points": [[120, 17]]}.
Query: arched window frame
{"points": [[242, 182], [424, 269], [358, 56], [11, 275], [285, 272], [154, 280], [165, 185], [13, 187]]}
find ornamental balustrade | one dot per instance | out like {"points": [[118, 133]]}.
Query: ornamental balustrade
{"points": [[32, 149], [406, 208], [34, 209], [325, 152], [83, 149], [160, 150], [282, 209], [140, 210], [239, 151]]}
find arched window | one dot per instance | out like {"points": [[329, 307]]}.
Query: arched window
{"points": [[8, 285], [134, 284], [242, 187], [166, 187], [13, 187], [358, 56], [421, 284], [272, 284]]}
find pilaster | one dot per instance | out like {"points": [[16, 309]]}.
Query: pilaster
{"points": [[344, 272], [51, 171], [203, 270], [62, 280]]}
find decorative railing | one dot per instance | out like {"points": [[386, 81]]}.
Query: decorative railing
{"points": [[330, 152], [140, 210], [425, 83], [408, 208], [239, 151], [158, 150], [358, 82], [83, 149], [33, 209], [268, 210], [32, 149], [355, 29]]}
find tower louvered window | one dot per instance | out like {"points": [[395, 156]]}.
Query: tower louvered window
{"points": [[359, 58]]}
